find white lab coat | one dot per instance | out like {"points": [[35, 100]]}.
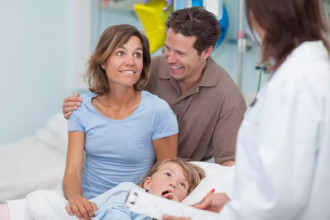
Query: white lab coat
{"points": [[283, 147]]}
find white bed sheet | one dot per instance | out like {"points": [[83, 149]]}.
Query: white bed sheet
{"points": [[35, 162]]}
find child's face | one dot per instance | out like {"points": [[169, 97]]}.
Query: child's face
{"points": [[168, 182]]}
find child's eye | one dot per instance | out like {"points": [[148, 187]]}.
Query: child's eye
{"points": [[167, 174], [183, 185]]}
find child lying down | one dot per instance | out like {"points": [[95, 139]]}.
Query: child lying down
{"points": [[172, 179]]}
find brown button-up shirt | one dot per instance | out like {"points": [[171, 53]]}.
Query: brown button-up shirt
{"points": [[209, 114]]}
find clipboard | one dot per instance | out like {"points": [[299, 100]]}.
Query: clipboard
{"points": [[155, 207]]}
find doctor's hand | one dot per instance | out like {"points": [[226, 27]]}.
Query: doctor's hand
{"points": [[213, 202], [81, 207], [70, 104], [167, 217]]}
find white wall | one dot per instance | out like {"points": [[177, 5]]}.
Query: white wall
{"points": [[35, 58]]}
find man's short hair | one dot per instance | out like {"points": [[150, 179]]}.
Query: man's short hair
{"points": [[196, 21]]}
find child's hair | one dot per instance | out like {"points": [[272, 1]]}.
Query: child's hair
{"points": [[193, 173]]}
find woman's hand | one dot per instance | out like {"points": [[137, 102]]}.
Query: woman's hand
{"points": [[81, 207], [213, 202]]}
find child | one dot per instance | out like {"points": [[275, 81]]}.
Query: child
{"points": [[172, 179]]}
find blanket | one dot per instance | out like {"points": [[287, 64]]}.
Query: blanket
{"points": [[50, 204]]}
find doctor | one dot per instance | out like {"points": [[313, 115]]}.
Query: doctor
{"points": [[283, 146]]}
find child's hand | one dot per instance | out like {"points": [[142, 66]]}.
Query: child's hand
{"points": [[81, 207]]}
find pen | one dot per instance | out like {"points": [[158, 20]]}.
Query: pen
{"points": [[211, 191]]}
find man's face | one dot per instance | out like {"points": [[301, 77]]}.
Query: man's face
{"points": [[184, 62], [168, 182]]}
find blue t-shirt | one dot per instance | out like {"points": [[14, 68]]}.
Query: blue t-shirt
{"points": [[120, 150], [111, 204]]}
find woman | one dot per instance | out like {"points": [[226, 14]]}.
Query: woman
{"points": [[118, 132], [119, 129], [283, 148]]}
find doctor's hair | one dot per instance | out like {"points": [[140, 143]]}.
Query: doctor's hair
{"points": [[198, 22], [193, 173], [112, 38], [287, 24]]}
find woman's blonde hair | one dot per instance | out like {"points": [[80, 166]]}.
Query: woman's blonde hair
{"points": [[112, 38], [193, 173]]}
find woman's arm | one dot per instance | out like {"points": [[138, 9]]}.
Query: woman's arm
{"points": [[166, 147], [72, 189]]}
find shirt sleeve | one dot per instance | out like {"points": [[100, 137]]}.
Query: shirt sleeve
{"points": [[165, 123], [74, 122], [227, 126], [111, 204], [116, 212], [276, 156]]}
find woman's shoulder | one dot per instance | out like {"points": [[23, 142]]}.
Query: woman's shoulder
{"points": [[153, 99], [86, 104], [307, 63], [86, 97]]}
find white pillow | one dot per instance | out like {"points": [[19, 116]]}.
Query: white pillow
{"points": [[55, 133], [218, 177]]}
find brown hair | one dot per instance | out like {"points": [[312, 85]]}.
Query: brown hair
{"points": [[193, 173], [196, 21], [287, 24], [112, 38]]}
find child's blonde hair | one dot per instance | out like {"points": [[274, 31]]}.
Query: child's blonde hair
{"points": [[193, 173]]}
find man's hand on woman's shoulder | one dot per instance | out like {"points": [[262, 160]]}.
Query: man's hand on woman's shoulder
{"points": [[70, 104]]}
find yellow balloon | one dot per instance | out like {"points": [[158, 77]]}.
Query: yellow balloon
{"points": [[153, 18]]}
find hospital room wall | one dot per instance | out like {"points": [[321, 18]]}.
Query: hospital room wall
{"points": [[34, 64]]}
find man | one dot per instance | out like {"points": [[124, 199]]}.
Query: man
{"points": [[208, 104]]}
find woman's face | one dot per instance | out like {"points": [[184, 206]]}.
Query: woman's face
{"points": [[260, 31], [124, 66]]}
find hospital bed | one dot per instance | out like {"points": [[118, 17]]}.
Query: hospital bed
{"points": [[38, 162], [35, 162]]}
